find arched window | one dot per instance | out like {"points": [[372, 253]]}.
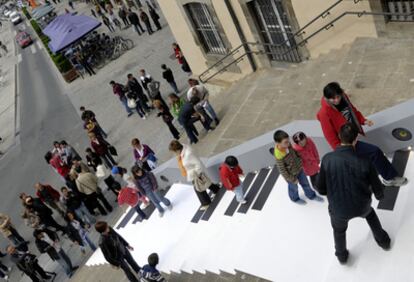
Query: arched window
{"points": [[205, 28]]}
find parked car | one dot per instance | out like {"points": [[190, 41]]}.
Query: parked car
{"points": [[23, 39], [15, 18], [6, 12]]}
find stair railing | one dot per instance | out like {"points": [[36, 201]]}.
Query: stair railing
{"points": [[303, 42]]}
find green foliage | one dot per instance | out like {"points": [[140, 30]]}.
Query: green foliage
{"points": [[36, 27], [26, 13]]}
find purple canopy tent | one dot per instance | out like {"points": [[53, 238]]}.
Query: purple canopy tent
{"points": [[66, 29]]}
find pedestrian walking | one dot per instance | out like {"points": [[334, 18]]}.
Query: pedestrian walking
{"points": [[309, 155], [75, 204], [230, 173], [106, 21], [114, 20], [123, 15], [167, 118], [349, 180], [102, 148], [47, 241], [145, 19], [89, 116], [68, 153], [71, 5], [200, 91], [87, 183], [78, 233], [147, 184], [290, 167], [149, 272], [154, 16], [50, 196], [168, 75], [176, 104], [3, 270], [145, 79], [187, 117], [337, 110], [154, 92], [131, 197], [144, 156], [134, 20], [120, 91], [193, 169], [116, 250], [92, 159], [29, 265], [134, 86], [181, 59], [45, 214], [8, 230]]}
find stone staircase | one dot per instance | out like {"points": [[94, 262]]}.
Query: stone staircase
{"points": [[105, 273]]}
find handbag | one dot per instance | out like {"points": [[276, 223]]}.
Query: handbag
{"points": [[112, 150], [201, 182], [131, 103], [101, 171]]}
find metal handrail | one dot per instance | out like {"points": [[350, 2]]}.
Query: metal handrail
{"points": [[301, 31], [303, 42], [331, 24]]}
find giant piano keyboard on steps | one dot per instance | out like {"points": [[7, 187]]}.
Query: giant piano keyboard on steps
{"points": [[270, 236]]}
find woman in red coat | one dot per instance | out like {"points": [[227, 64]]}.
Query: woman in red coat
{"points": [[337, 110], [180, 57], [101, 148]]}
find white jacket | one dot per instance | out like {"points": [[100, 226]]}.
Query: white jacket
{"points": [[191, 163]]}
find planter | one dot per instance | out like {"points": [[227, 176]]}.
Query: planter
{"points": [[70, 75]]}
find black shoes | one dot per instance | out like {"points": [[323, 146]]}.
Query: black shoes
{"points": [[343, 258]]}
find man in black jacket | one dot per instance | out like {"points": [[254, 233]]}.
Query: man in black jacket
{"points": [[48, 242], [349, 181], [134, 20], [168, 75], [116, 250]]}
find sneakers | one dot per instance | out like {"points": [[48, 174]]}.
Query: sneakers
{"points": [[160, 214], [144, 117], [170, 207], [243, 201], [130, 114], [318, 199], [144, 205], [6, 277], [300, 202], [203, 208], [396, 181]]}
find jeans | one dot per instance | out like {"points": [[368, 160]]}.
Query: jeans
{"points": [[303, 181], [140, 212], [155, 197], [87, 240], [377, 157], [239, 193], [15, 237], [83, 213], [174, 86], [340, 226], [210, 110], [125, 264], [65, 262], [124, 102], [190, 130]]}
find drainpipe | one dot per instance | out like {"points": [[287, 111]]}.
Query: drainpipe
{"points": [[241, 34]]}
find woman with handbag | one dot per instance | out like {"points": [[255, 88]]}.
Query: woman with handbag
{"points": [[103, 149], [146, 183], [167, 118], [192, 168], [144, 156]]}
